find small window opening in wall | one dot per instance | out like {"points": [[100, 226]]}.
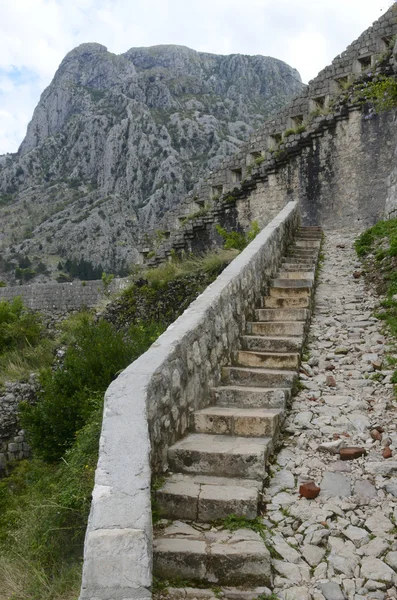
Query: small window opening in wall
{"points": [[237, 175], [276, 139], [342, 82], [319, 102], [298, 120], [255, 155], [387, 41], [216, 191], [365, 63]]}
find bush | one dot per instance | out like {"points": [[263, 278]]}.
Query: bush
{"points": [[95, 357], [236, 240], [19, 327]]}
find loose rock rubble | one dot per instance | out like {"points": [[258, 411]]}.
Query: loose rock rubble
{"points": [[343, 544]]}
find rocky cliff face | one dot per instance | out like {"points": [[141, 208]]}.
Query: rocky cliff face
{"points": [[115, 141]]}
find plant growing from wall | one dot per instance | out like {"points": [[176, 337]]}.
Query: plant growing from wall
{"points": [[237, 240], [381, 91], [107, 279]]}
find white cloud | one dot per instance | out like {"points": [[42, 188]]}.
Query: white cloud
{"points": [[36, 34]]}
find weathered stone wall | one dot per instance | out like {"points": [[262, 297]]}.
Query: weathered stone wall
{"points": [[370, 46], [61, 296], [13, 444], [340, 178], [147, 408]]}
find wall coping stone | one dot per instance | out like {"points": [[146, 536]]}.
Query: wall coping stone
{"points": [[118, 545]]}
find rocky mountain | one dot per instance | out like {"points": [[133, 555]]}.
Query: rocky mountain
{"points": [[115, 141]]}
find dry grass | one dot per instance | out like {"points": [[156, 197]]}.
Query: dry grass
{"points": [[210, 263], [22, 580]]}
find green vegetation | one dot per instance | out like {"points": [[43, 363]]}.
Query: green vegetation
{"points": [[106, 282], [211, 263], [378, 248], [294, 131], [236, 240], [45, 502], [233, 522], [23, 346], [196, 215], [381, 91]]}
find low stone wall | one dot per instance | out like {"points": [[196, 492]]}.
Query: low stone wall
{"points": [[61, 296], [147, 408]]}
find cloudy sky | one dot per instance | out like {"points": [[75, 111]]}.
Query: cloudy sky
{"points": [[36, 34]]}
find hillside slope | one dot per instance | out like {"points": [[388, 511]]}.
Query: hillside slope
{"points": [[115, 141]]}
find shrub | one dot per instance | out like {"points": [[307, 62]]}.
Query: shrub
{"points": [[19, 327], [92, 360], [236, 240]]}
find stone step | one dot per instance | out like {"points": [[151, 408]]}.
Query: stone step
{"points": [[296, 262], [257, 377], [213, 557], [281, 314], [302, 253], [277, 328], [261, 343], [292, 283], [205, 498], [268, 360], [225, 592], [250, 397], [308, 235], [220, 455], [246, 422], [275, 302], [298, 267], [280, 290], [300, 243], [296, 274]]}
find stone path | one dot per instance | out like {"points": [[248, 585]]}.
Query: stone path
{"points": [[343, 544]]}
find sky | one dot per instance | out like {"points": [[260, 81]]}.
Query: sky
{"points": [[35, 35]]}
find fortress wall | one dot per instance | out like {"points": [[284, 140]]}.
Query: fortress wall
{"points": [[61, 296]]}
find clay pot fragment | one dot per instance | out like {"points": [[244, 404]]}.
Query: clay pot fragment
{"points": [[351, 453], [387, 453], [309, 490]]}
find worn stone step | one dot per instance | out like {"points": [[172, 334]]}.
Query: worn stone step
{"points": [[268, 360], [250, 397], [227, 593], [261, 343], [292, 283], [276, 328], [297, 263], [300, 243], [246, 422], [280, 290], [258, 377], [296, 253], [281, 314], [296, 274], [274, 302], [214, 557], [220, 455], [205, 498]]}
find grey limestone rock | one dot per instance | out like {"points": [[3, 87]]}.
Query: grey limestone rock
{"points": [[117, 140]]}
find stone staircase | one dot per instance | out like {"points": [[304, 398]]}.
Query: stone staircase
{"points": [[219, 468]]}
